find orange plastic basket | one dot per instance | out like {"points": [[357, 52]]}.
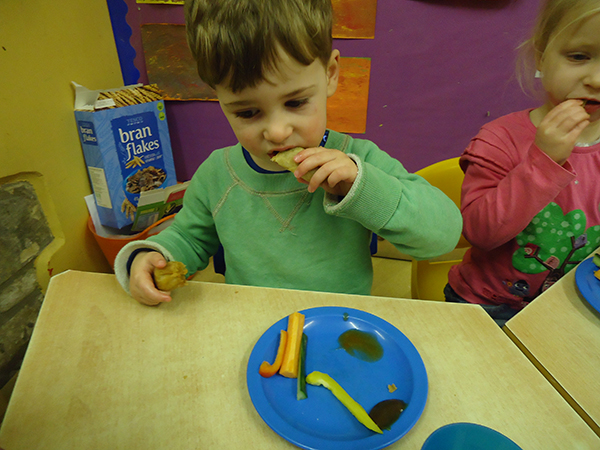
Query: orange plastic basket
{"points": [[110, 246]]}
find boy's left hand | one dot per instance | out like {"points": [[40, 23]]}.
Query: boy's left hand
{"points": [[336, 171]]}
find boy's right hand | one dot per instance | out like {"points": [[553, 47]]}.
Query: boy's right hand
{"points": [[141, 282], [560, 128]]}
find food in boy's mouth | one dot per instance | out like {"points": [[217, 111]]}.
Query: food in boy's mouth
{"points": [[286, 160], [171, 276]]}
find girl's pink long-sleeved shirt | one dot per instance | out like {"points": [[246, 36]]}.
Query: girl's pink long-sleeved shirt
{"points": [[529, 219]]}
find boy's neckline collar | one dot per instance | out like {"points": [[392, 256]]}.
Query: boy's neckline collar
{"points": [[255, 166], [259, 169]]}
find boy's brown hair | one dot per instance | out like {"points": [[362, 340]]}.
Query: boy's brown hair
{"points": [[236, 42]]}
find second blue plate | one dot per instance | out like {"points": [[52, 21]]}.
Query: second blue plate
{"points": [[587, 283]]}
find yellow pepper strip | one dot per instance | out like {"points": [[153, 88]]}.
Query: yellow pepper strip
{"points": [[322, 379]]}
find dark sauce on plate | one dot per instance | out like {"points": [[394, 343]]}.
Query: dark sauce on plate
{"points": [[386, 412], [361, 344]]}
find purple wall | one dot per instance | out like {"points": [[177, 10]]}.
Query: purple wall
{"points": [[439, 70]]}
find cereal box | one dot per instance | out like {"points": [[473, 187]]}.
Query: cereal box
{"points": [[126, 145]]}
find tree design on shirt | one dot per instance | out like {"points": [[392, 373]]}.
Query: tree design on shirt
{"points": [[554, 242]]}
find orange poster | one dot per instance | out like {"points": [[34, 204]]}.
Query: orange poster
{"points": [[347, 108], [354, 19]]}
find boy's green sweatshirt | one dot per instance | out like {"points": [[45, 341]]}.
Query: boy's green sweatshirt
{"points": [[276, 234]]}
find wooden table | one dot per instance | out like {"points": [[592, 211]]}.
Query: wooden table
{"points": [[104, 372], [560, 332]]}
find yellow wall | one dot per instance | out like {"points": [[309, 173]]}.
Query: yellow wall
{"points": [[44, 45]]}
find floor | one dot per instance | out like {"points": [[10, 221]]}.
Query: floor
{"points": [[391, 279]]}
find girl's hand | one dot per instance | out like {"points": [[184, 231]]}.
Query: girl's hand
{"points": [[559, 130], [336, 171], [141, 283]]}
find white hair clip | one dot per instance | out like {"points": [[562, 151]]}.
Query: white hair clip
{"points": [[538, 74]]}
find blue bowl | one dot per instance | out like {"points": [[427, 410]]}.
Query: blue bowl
{"points": [[468, 436]]}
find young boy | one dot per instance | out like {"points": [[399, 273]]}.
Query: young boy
{"points": [[272, 65]]}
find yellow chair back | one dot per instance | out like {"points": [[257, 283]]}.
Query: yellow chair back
{"points": [[429, 277]]}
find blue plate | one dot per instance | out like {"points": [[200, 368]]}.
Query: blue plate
{"points": [[587, 283], [468, 436], [321, 421]]}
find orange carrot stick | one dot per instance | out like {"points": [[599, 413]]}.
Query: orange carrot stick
{"points": [[289, 365]]}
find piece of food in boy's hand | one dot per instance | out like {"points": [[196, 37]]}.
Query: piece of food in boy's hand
{"points": [[322, 379], [171, 276], [286, 160]]}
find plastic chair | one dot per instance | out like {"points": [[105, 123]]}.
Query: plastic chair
{"points": [[428, 277]]}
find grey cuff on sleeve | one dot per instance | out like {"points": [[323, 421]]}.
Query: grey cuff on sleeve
{"points": [[372, 200]]}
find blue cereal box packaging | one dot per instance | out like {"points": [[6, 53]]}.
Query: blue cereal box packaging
{"points": [[126, 145]]}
